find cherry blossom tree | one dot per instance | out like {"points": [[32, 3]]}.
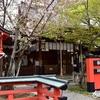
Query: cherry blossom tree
{"points": [[27, 20]]}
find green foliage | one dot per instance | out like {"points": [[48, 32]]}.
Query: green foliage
{"points": [[75, 13], [77, 89], [57, 32], [84, 18], [79, 21]]}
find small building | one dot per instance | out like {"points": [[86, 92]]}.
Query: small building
{"points": [[48, 57]]}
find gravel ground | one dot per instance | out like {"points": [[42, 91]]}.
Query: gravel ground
{"points": [[76, 96]]}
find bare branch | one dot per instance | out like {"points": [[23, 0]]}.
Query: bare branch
{"points": [[41, 18], [46, 22], [92, 41], [8, 3], [27, 12], [11, 21]]}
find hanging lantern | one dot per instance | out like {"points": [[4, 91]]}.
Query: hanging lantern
{"points": [[3, 35]]}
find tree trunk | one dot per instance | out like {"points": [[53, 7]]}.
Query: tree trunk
{"points": [[82, 76], [20, 61], [19, 66], [11, 69]]}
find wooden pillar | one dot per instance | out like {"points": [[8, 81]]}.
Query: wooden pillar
{"points": [[1, 39], [40, 59], [61, 67]]}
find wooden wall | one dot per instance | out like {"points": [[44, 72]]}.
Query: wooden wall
{"points": [[50, 63]]}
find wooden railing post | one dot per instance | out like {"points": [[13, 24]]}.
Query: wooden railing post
{"points": [[39, 87], [10, 96], [56, 93]]}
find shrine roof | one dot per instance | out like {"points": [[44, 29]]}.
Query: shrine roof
{"points": [[5, 30]]}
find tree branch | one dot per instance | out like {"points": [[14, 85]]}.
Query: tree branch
{"points": [[92, 41], [41, 18]]}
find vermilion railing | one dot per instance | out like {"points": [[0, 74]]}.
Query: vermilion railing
{"points": [[42, 89]]}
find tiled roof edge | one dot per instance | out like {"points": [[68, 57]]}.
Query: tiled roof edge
{"points": [[5, 30]]}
